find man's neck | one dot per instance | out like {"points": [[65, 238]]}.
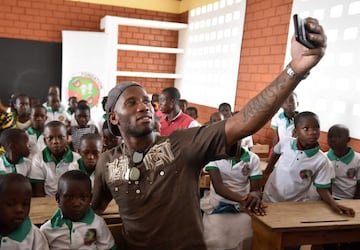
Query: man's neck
{"points": [[139, 144], [173, 113]]}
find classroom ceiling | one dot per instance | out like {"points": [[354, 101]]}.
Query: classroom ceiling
{"points": [[169, 6]]}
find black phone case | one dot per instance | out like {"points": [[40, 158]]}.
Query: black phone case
{"points": [[300, 32]]}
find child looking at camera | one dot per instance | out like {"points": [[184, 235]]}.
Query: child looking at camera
{"points": [[75, 225], [50, 163], [16, 229], [89, 150]]}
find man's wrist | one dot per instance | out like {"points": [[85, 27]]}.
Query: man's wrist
{"points": [[294, 75]]}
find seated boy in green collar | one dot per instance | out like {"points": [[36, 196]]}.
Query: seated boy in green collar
{"points": [[56, 159], [75, 225]]}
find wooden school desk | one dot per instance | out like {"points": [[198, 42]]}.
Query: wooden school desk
{"points": [[42, 208], [301, 223]]}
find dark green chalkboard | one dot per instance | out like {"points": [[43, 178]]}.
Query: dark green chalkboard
{"points": [[28, 67]]}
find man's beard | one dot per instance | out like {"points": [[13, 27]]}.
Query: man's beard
{"points": [[139, 133]]}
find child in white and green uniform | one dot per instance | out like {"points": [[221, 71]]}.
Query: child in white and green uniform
{"points": [[75, 225], [16, 229]]}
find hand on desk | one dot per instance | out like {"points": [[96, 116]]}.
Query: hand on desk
{"points": [[252, 203], [344, 210]]}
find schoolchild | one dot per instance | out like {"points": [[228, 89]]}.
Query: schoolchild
{"points": [[16, 229], [22, 111], [50, 163], [82, 116], [235, 184], [75, 225], [89, 150], [283, 122], [36, 130], [15, 143], [345, 162], [300, 165], [55, 111]]}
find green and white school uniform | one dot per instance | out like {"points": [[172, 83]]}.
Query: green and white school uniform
{"points": [[283, 125], [36, 141], [295, 172], [27, 236], [83, 169], [91, 232], [225, 226], [46, 169], [347, 174], [23, 166]]}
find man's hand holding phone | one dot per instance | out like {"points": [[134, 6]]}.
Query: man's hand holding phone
{"points": [[305, 56]]}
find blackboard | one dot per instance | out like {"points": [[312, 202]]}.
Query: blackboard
{"points": [[28, 67]]}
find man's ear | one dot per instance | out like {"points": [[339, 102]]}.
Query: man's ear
{"points": [[114, 119]]}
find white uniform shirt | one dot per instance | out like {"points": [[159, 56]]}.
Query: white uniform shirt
{"points": [[36, 141], [47, 171], [91, 232], [295, 172], [22, 167], [235, 176], [347, 174], [283, 125], [59, 115], [26, 237]]}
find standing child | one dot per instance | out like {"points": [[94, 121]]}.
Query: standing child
{"points": [[235, 189], [56, 159], [82, 116], [35, 132], [75, 225], [300, 165], [72, 104], [15, 142], [22, 111], [54, 110], [89, 150], [16, 229], [283, 122]]}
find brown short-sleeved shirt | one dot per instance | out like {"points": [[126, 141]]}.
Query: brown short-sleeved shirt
{"points": [[161, 210]]}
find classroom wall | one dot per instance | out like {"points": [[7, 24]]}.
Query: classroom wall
{"points": [[262, 52], [43, 20]]}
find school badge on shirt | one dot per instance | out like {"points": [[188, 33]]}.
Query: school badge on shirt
{"points": [[90, 236], [306, 173]]}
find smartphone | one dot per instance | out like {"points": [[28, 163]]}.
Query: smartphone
{"points": [[301, 32]]}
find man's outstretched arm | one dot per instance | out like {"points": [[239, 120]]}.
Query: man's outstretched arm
{"points": [[263, 106]]}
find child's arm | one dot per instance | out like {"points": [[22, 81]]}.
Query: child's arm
{"points": [[357, 191], [253, 199], [220, 189], [326, 196]]}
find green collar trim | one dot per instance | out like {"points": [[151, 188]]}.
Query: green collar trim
{"points": [[105, 116], [289, 121], [309, 152], [83, 168], [68, 156], [22, 231], [57, 220], [345, 159], [8, 164], [245, 155], [32, 131], [49, 109]]}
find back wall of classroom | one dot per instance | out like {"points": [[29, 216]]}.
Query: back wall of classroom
{"points": [[262, 52]]}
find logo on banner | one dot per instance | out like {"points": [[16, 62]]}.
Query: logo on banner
{"points": [[85, 86]]}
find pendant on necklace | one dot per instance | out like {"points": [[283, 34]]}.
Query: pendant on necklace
{"points": [[134, 174]]}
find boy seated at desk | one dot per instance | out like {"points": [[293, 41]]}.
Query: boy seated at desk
{"points": [[300, 164], [16, 229], [15, 143], [50, 163], [75, 225]]}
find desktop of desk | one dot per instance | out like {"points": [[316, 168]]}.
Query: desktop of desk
{"points": [[300, 223]]}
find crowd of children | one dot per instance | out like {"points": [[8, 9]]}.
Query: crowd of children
{"points": [[53, 151]]}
